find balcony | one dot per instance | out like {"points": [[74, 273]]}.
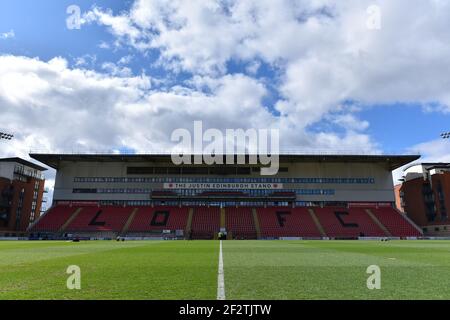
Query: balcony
{"points": [[29, 173]]}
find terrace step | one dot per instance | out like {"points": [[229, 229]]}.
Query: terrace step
{"points": [[129, 221], [256, 222], [69, 221], [409, 221], [378, 223], [317, 223], [31, 226], [189, 222], [222, 218]]}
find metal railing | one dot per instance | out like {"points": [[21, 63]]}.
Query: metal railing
{"points": [[20, 170], [282, 151]]}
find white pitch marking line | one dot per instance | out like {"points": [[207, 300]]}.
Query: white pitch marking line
{"points": [[220, 277]]}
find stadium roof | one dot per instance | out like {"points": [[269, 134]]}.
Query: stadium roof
{"points": [[23, 162], [429, 165], [393, 161]]}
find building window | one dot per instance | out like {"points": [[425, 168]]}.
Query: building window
{"points": [[19, 208], [441, 202], [428, 199], [218, 180]]}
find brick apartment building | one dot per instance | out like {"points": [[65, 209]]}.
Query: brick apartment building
{"points": [[424, 195], [21, 195]]}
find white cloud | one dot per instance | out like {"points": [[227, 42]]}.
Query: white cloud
{"points": [[436, 107], [349, 121], [50, 106], [125, 59], [104, 45], [86, 60], [433, 151], [7, 35], [119, 25], [253, 67], [53, 107], [322, 50], [116, 69]]}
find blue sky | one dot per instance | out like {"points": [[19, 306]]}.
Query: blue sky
{"points": [[399, 126], [138, 69], [40, 31]]}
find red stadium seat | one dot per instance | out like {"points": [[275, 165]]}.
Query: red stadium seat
{"points": [[397, 225], [337, 222], [107, 218], [153, 219], [342, 222], [53, 219], [239, 221], [286, 222], [205, 222]]}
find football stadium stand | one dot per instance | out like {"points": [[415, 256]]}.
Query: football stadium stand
{"points": [[287, 222], [205, 222], [147, 196], [159, 218], [274, 222], [396, 223], [341, 222], [240, 223], [93, 218], [53, 219]]}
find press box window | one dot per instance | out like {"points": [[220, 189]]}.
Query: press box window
{"points": [[84, 191]]}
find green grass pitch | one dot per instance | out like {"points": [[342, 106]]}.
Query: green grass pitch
{"points": [[252, 269]]}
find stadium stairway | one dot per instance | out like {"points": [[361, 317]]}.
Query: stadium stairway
{"points": [[396, 222], [347, 223], [404, 216], [317, 222], [53, 219], [222, 218], [256, 222], [188, 228], [69, 221], [129, 221], [377, 222], [223, 223], [96, 219], [37, 221]]}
